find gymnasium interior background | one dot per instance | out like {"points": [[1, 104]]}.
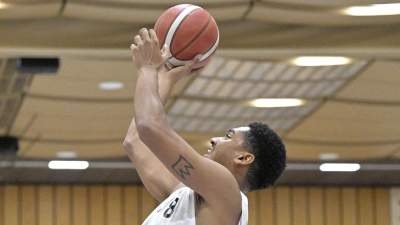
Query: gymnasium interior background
{"points": [[351, 111]]}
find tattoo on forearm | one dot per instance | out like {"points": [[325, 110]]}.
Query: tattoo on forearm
{"points": [[182, 167]]}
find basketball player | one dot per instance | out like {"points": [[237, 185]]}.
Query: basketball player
{"points": [[193, 189]]}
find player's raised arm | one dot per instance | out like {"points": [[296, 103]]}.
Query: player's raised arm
{"points": [[157, 179], [211, 180]]}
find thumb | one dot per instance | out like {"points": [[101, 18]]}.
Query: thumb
{"points": [[165, 51]]}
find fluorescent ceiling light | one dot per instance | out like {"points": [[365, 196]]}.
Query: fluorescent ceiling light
{"points": [[339, 167], [276, 102], [373, 10], [320, 60], [68, 165], [111, 85]]}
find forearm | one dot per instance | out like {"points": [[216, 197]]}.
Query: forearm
{"points": [[148, 106], [156, 178], [165, 86]]}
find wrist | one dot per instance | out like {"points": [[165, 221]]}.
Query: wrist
{"points": [[147, 70]]}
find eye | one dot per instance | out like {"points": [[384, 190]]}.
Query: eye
{"points": [[227, 136]]}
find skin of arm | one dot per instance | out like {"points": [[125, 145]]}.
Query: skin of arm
{"points": [[155, 177], [212, 181]]}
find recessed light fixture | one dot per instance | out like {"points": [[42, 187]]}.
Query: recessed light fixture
{"points": [[373, 10], [276, 102], [339, 167], [328, 156], [111, 85], [66, 154], [68, 165], [320, 60]]}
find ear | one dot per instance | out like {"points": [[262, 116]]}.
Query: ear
{"points": [[244, 159]]}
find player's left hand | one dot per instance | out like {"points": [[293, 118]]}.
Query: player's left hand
{"points": [[146, 51], [175, 74]]}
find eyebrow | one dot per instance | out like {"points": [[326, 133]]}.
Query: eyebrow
{"points": [[231, 130]]}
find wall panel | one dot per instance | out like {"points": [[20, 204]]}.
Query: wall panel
{"points": [[96, 205], [130, 205], [267, 209], [253, 208], [11, 205], [283, 210], [349, 206], [79, 205], [114, 205], [332, 207], [1, 204], [299, 205], [382, 202], [46, 212], [63, 213], [28, 205], [366, 206], [315, 206]]}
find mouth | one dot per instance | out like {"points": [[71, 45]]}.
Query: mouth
{"points": [[211, 150]]}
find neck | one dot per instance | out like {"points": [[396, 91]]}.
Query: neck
{"points": [[244, 186]]}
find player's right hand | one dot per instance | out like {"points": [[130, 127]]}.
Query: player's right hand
{"points": [[146, 52]]}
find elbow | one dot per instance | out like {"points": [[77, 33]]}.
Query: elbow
{"points": [[127, 144], [146, 130]]}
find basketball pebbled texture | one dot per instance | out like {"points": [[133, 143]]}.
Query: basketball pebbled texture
{"points": [[188, 30]]}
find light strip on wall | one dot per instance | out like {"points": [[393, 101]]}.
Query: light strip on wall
{"points": [[373, 10], [68, 165], [339, 167]]}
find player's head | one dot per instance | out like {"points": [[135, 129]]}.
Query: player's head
{"points": [[269, 155], [256, 148]]}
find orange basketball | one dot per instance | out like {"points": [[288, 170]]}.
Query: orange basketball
{"points": [[188, 30]]}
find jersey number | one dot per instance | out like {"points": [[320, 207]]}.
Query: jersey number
{"points": [[168, 212]]}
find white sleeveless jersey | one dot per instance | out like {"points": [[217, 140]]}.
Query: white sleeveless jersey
{"points": [[179, 209]]}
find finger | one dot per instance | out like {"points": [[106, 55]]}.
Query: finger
{"points": [[153, 35], [194, 61], [144, 34], [137, 40], [132, 46]]}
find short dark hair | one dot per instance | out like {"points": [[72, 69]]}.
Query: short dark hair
{"points": [[269, 155]]}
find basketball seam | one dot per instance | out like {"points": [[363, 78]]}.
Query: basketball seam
{"points": [[210, 53], [170, 25], [194, 38]]}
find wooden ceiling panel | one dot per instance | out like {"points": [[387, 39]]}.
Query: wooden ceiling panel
{"points": [[311, 152], [80, 79], [379, 83], [72, 120], [46, 107], [332, 3], [397, 153], [32, 10], [90, 150], [78, 128], [346, 122], [115, 14], [262, 11]]}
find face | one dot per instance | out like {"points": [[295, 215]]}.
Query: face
{"points": [[224, 149]]}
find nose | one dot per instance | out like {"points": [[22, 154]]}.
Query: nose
{"points": [[214, 140]]}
